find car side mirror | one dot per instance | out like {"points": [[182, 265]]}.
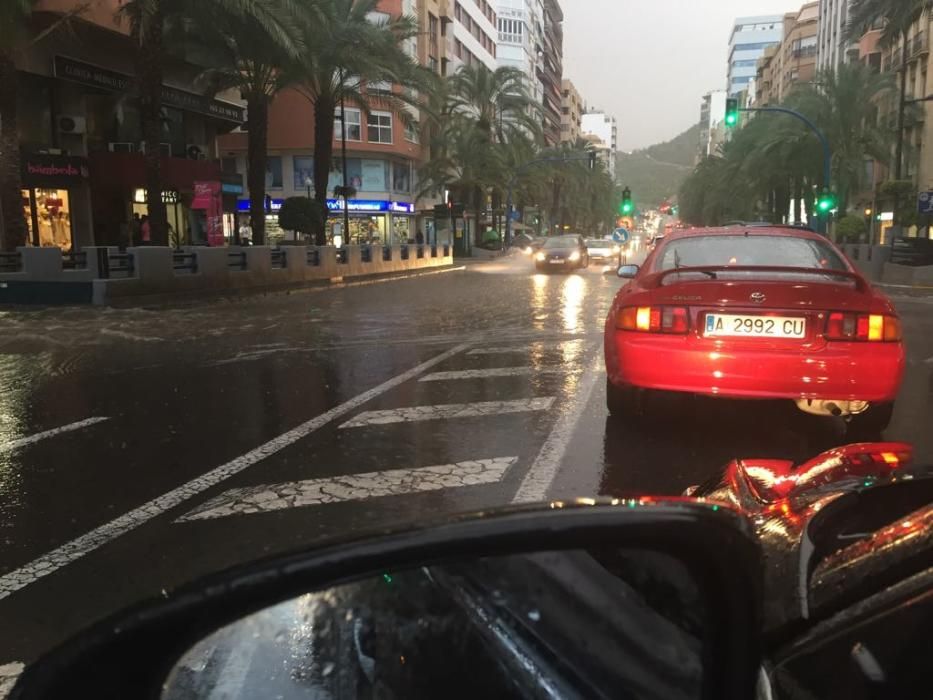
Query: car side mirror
{"points": [[667, 593], [628, 271]]}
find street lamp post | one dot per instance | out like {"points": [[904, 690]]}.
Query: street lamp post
{"points": [[308, 183], [343, 158]]}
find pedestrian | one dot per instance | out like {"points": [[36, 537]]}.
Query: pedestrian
{"points": [[419, 237], [145, 230], [246, 232], [135, 229]]}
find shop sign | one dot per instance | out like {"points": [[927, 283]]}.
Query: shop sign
{"points": [[231, 188], [46, 168], [88, 74], [402, 207], [367, 206], [274, 204], [168, 196], [207, 198]]}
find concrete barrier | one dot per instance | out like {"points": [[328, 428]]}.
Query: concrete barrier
{"points": [[201, 270]]}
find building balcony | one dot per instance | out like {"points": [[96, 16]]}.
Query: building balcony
{"points": [[805, 52], [919, 45]]}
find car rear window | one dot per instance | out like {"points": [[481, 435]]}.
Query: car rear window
{"points": [[562, 242], [783, 251]]}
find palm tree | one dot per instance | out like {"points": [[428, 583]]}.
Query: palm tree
{"points": [[14, 40], [149, 21], [345, 51], [245, 56], [898, 16], [496, 101]]}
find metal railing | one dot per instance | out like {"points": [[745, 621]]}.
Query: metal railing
{"points": [[185, 262], [446, 250], [314, 257], [386, 254], [119, 263], [343, 256], [279, 258], [919, 44], [74, 260], [236, 260], [11, 262], [420, 251], [366, 254], [912, 251], [404, 252]]}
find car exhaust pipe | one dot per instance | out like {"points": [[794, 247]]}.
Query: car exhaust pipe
{"points": [[832, 407]]}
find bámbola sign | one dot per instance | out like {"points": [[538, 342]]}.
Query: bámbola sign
{"points": [[368, 206]]}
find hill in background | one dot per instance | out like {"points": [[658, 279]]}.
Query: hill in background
{"points": [[656, 173]]}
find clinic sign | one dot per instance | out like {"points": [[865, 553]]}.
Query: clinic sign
{"points": [[925, 202], [357, 206]]}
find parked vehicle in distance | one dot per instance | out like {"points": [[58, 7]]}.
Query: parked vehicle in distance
{"points": [[755, 312], [567, 252]]}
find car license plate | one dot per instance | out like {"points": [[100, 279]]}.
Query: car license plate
{"points": [[738, 325], [557, 262]]}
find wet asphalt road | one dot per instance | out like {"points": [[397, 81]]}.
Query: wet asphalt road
{"points": [[230, 430]]}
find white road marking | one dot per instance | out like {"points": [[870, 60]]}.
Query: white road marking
{"points": [[413, 414], [8, 675], [88, 542], [352, 487], [521, 349], [13, 444], [491, 373], [538, 480]]}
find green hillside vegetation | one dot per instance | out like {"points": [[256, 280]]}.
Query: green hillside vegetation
{"points": [[656, 173]]}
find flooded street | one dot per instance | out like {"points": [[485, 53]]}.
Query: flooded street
{"points": [[140, 448]]}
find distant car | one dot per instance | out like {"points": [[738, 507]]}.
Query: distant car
{"points": [[755, 313], [604, 250], [566, 252]]}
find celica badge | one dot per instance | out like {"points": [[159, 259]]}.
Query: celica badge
{"points": [[758, 297]]}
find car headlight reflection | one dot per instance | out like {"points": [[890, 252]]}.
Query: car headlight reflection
{"points": [[540, 257], [574, 256]]}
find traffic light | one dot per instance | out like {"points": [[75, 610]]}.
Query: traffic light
{"points": [[626, 208], [826, 202], [732, 112]]}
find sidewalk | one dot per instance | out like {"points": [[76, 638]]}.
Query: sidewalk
{"points": [[905, 290]]}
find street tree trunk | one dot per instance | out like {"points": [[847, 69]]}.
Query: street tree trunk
{"points": [[798, 195], [13, 229], [324, 112], [149, 58], [258, 136]]}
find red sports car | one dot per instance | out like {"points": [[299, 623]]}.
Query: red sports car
{"points": [[765, 312]]}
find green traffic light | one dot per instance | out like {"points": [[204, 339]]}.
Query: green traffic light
{"points": [[626, 207], [731, 119], [826, 203], [732, 112]]}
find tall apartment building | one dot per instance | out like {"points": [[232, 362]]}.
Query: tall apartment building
{"points": [[790, 62], [520, 41], [551, 70], [712, 113], [571, 113], [383, 152], [749, 38], [473, 34], [832, 46], [604, 130]]}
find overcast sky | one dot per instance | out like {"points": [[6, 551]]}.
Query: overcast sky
{"points": [[649, 62]]}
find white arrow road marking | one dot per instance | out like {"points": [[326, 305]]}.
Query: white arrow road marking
{"points": [[538, 480], [353, 487], [88, 542], [491, 373], [444, 411], [13, 444], [8, 675]]}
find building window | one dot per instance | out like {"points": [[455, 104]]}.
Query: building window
{"points": [[354, 130], [274, 172], [412, 132], [303, 170], [379, 127]]}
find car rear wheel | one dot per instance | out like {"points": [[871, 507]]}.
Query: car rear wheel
{"points": [[871, 423], [622, 401]]}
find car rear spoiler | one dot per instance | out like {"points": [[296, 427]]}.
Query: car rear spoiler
{"points": [[656, 279]]}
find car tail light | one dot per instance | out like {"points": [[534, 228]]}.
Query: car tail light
{"points": [[653, 319], [866, 327]]}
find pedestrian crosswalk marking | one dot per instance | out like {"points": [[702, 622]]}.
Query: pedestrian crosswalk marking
{"points": [[413, 414], [526, 349], [8, 675], [20, 442], [266, 498], [491, 373]]}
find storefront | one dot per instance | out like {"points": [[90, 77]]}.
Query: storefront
{"points": [[371, 221], [56, 200]]}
